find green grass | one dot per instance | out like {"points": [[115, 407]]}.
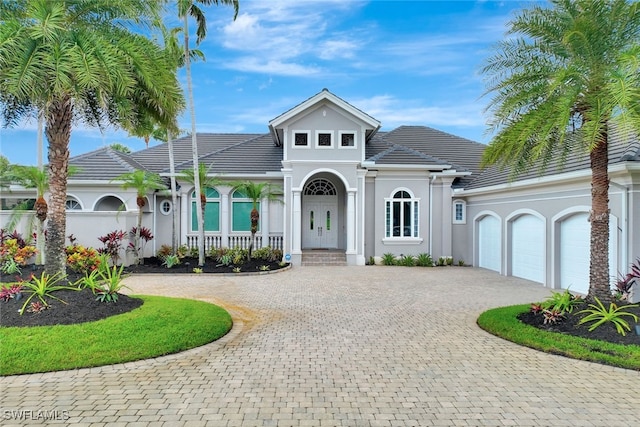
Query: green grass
{"points": [[503, 323], [160, 326]]}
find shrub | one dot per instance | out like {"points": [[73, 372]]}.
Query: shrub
{"points": [[262, 253], [238, 255], [276, 255], [81, 259], [388, 259], [171, 261], [424, 260], [164, 251], [600, 315], [564, 302], [145, 236], [14, 252], [407, 261]]}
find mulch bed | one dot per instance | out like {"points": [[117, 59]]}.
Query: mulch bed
{"points": [[570, 325], [82, 306]]}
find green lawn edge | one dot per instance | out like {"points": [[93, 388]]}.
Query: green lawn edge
{"points": [[158, 327], [503, 322]]}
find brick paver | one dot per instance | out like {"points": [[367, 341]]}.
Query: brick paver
{"points": [[339, 346]]}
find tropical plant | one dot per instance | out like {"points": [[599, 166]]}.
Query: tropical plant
{"points": [[15, 251], [121, 148], [552, 316], [197, 270], [624, 283], [109, 283], [565, 302], [171, 261], [187, 8], [257, 191], [237, 270], [44, 286], [424, 260], [80, 61], [142, 182], [407, 260], [614, 314], [567, 76], [388, 259], [10, 291], [264, 268], [144, 235], [112, 242], [81, 259]]}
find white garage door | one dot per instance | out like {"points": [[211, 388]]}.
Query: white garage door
{"points": [[489, 248], [527, 248], [574, 252]]}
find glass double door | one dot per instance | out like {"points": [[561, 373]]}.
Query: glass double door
{"points": [[320, 223]]}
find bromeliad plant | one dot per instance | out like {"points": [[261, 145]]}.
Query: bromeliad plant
{"points": [[600, 315], [105, 282], [44, 286]]}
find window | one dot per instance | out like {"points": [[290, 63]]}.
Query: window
{"points": [[241, 207], [166, 207], [459, 212], [72, 204], [211, 211], [402, 215], [347, 139], [324, 139], [301, 139]]}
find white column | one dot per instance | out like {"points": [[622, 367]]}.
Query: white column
{"points": [[297, 223], [351, 222], [264, 221], [185, 197], [225, 219]]}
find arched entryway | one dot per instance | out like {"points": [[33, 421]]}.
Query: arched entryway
{"points": [[320, 219]]}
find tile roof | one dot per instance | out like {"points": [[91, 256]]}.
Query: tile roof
{"points": [[103, 164], [622, 148]]}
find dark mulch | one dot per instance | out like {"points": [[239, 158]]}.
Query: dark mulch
{"points": [[570, 326], [82, 306]]}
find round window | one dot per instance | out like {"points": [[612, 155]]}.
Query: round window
{"points": [[165, 207]]}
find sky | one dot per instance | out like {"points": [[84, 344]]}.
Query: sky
{"points": [[402, 62]]}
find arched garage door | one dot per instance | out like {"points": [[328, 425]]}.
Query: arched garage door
{"points": [[489, 247], [527, 248], [574, 251]]}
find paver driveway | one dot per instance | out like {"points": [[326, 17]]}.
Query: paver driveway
{"points": [[341, 346]]}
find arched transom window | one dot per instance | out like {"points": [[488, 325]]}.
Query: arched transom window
{"points": [[320, 187], [402, 215]]}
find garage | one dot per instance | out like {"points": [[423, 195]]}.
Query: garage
{"points": [[527, 248], [575, 240], [489, 247]]}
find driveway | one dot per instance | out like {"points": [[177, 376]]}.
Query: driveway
{"points": [[340, 346]]}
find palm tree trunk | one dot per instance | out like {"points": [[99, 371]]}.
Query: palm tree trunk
{"points": [[194, 143], [599, 218], [40, 255], [136, 249], [255, 217], [174, 195], [58, 130]]}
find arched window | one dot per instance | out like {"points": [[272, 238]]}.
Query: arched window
{"points": [[320, 187], [241, 207], [211, 211], [402, 215], [72, 204]]}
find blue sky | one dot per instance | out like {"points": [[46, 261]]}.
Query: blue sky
{"points": [[402, 62]]}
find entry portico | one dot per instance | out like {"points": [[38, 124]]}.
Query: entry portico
{"points": [[323, 141]]}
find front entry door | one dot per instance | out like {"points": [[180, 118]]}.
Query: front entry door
{"points": [[320, 223]]}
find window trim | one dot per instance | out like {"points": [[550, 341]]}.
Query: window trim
{"points": [[355, 140], [163, 203], [325, 147], [414, 212], [73, 199], [194, 204], [293, 139], [454, 217]]}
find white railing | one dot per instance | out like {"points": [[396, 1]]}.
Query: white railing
{"points": [[236, 241]]}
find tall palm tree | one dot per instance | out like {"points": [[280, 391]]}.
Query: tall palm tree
{"points": [[566, 75], [204, 180], [256, 192], [143, 182], [80, 60], [187, 8]]}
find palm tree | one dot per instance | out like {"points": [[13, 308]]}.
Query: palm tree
{"points": [[257, 192], [187, 8], [205, 181], [566, 76], [80, 60], [143, 182]]}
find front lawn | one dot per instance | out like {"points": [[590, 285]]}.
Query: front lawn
{"points": [[160, 326]]}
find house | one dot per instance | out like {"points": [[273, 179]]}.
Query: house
{"points": [[353, 189]]}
